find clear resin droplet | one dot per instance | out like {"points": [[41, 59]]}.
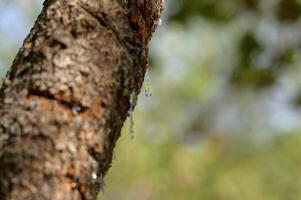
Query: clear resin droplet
{"points": [[114, 157], [133, 100], [76, 109], [131, 126], [148, 90], [94, 170]]}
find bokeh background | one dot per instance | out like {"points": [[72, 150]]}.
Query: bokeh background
{"points": [[223, 122]]}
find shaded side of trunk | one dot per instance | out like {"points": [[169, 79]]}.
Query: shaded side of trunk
{"points": [[66, 97]]}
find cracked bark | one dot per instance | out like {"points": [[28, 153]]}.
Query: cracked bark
{"points": [[66, 96]]}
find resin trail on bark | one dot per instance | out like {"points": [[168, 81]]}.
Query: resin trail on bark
{"points": [[66, 96]]}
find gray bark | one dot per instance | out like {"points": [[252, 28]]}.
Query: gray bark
{"points": [[67, 94]]}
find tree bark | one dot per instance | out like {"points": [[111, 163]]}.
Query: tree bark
{"points": [[67, 95]]}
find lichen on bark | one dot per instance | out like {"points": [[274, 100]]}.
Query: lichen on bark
{"points": [[66, 96]]}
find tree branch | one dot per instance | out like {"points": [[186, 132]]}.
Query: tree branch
{"points": [[66, 97]]}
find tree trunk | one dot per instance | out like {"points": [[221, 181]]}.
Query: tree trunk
{"points": [[68, 93]]}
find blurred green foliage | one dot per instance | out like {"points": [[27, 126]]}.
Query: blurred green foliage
{"points": [[218, 11], [224, 119], [218, 169], [245, 74], [289, 10], [222, 129]]}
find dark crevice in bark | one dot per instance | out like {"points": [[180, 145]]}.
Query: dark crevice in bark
{"points": [[81, 193], [76, 185], [57, 43], [103, 22], [73, 106], [127, 43], [97, 157]]}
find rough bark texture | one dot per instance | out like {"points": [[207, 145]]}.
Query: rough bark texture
{"points": [[66, 97]]}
